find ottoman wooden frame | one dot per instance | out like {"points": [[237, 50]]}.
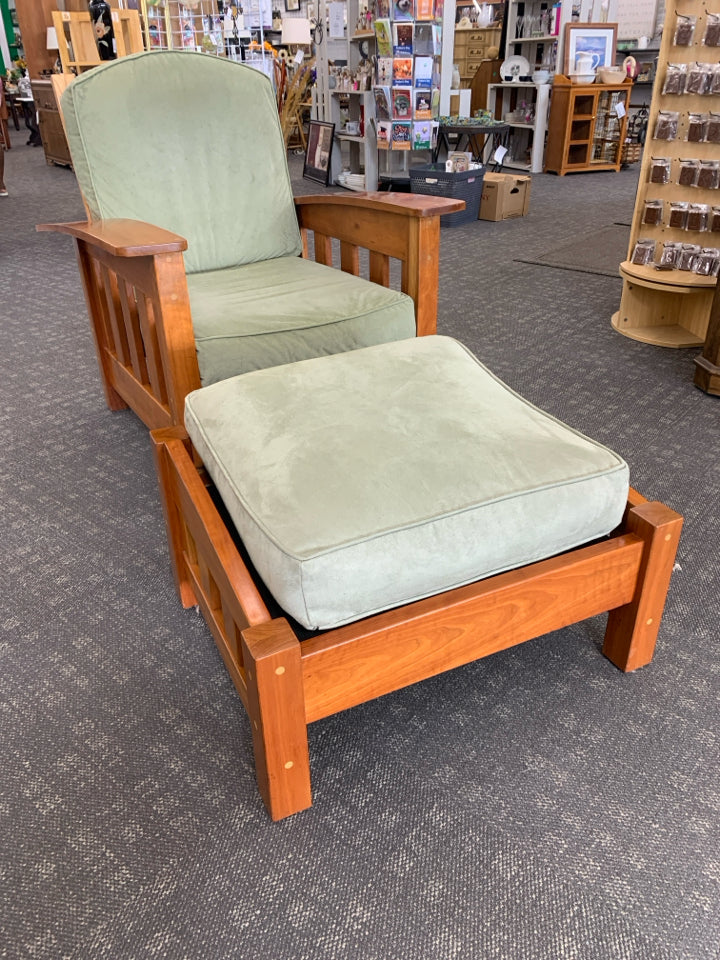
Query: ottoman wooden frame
{"points": [[286, 684]]}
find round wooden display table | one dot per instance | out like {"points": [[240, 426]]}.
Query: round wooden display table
{"points": [[666, 308]]}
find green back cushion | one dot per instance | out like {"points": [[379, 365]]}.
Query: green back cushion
{"points": [[189, 142], [370, 479]]}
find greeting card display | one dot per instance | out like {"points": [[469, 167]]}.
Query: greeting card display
{"points": [[423, 71], [384, 134], [383, 103], [401, 104], [423, 44], [382, 9], [424, 9], [402, 71], [401, 135], [403, 39], [422, 135], [422, 104], [435, 101], [384, 70], [383, 37], [403, 10]]}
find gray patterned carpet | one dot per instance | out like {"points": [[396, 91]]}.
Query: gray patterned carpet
{"points": [[534, 806]]}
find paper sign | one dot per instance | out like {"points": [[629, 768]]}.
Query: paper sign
{"points": [[500, 155], [337, 21], [299, 57], [620, 110]]}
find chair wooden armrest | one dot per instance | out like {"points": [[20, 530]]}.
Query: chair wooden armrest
{"points": [[401, 226], [121, 238], [133, 277]]}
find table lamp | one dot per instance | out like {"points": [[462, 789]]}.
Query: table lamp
{"points": [[296, 32]]}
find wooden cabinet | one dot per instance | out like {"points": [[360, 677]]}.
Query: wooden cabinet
{"points": [[472, 48], [50, 124], [587, 126]]}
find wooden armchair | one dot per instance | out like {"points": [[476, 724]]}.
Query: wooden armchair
{"points": [[180, 193]]}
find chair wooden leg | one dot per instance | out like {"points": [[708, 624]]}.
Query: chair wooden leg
{"points": [[632, 629], [276, 704]]}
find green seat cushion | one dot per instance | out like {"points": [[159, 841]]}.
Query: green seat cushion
{"points": [[188, 142], [279, 311], [366, 480]]}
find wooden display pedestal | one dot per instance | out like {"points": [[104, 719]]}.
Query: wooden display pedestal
{"points": [[707, 365], [666, 309]]}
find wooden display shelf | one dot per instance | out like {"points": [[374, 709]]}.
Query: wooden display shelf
{"points": [[671, 309], [668, 309]]}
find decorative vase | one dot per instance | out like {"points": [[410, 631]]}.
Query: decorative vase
{"points": [[104, 33]]}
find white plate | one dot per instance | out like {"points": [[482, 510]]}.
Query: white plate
{"points": [[515, 67]]}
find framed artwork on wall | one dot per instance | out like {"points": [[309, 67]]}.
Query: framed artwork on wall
{"points": [[596, 40], [292, 6], [318, 152]]}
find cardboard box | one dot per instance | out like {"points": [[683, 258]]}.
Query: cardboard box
{"points": [[504, 195]]}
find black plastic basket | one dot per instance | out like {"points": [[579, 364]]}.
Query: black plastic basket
{"points": [[434, 180]]}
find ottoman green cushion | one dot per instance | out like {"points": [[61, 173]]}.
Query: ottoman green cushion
{"points": [[366, 480], [279, 311]]}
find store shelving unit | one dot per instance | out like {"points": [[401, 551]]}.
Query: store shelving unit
{"points": [[531, 33], [356, 106], [527, 140]]}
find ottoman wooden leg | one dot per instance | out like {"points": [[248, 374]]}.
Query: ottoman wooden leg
{"points": [[276, 705], [632, 629]]}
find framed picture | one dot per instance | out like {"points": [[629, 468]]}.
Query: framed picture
{"points": [[594, 39], [292, 5], [318, 152]]}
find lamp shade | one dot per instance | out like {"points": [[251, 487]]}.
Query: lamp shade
{"points": [[296, 31], [51, 41]]}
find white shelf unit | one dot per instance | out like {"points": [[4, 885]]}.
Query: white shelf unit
{"points": [[362, 150], [526, 37], [532, 135]]}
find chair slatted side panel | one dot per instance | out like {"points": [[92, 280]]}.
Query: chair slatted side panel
{"points": [[210, 587], [232, 633], [153, 358], [355, 259], [350, 258], [323, 249], [379, 268], [131, 320], [114, 313]]}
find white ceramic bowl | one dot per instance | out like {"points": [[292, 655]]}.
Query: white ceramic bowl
{"points": [[541, 76], [582, 77], [611, 74]]}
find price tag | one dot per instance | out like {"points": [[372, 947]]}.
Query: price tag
{"points": [[500, 154], [620, 110], [299, 57]]}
